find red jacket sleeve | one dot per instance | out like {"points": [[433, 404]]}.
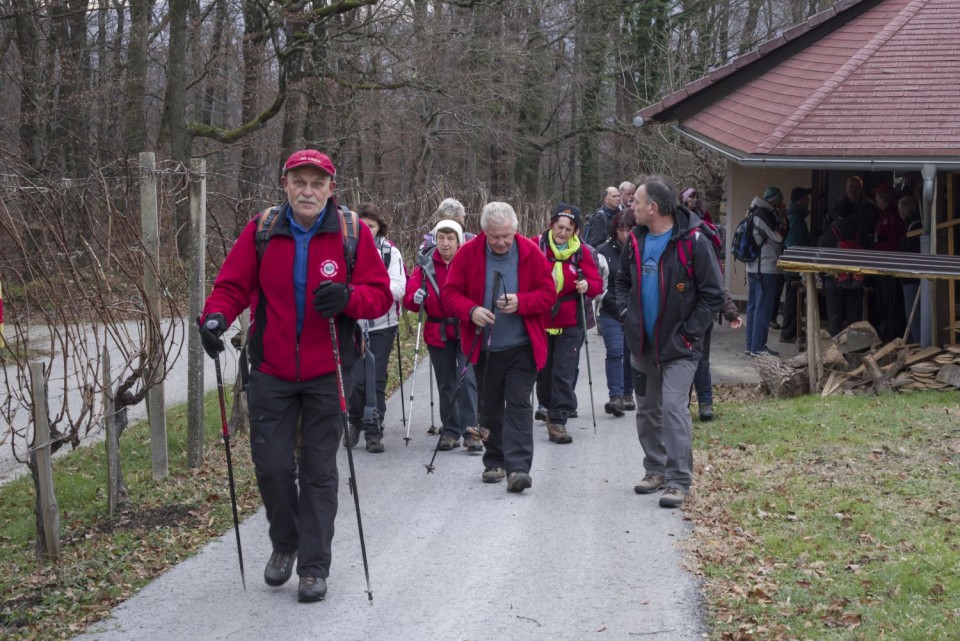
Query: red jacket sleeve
{"points": [[591, 273], [414, 283], [541, 291], [238, 279]]}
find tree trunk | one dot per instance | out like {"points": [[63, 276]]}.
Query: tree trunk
{"points": [[175, 113], [28, 44], [134, 123]]}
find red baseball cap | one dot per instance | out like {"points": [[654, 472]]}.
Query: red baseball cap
{"points": [[310, 158]]}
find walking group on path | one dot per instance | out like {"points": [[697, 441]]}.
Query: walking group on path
{"points": [[504, 317]]}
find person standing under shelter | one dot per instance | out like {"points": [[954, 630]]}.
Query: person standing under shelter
{"points": [[910, 213], [798, 235], [302, 272], [442, 336], [666, 309], [500, 285], [887, 237], [762, 272]]}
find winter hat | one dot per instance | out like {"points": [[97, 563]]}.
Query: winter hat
{"points": [[449, 225], [570, 211], [773, 195], [687, 193], [798, 193]]}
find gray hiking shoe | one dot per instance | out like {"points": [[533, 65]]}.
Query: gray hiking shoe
{"points": [[312, 589], [614, 406], [447, 443], [472, 443], [628, 403], [493, 475], [518, 482], [706, 412], [650, 484], [672, 497]]}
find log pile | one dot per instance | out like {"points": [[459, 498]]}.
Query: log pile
{"points": [[856, 362]]}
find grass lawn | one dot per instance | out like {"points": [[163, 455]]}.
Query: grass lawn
{"points": [[830, 518]]}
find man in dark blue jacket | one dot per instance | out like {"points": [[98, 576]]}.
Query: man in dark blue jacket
{"points": [[668, 290]]}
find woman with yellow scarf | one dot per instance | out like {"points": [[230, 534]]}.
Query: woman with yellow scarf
{"points": [[575, 275]]}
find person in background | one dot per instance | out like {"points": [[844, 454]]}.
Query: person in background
{"points": [[762, 273], [617, 363], [300, 279], [627, 190], [379, 336], [442, 336], [887, 237], [576, 276], [595, 229], [503, 267], [798, 235], [910, 214], [690, 198]]}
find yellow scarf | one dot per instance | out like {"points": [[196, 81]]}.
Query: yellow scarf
{"points": [[573, 245]]}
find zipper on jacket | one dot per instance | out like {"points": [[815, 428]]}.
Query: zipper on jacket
{"points": [[297, 359]]}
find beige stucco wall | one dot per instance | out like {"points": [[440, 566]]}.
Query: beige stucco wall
{"points": [[743, 184]]}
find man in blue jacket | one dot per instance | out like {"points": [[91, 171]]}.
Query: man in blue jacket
{"points": [[668, 290]]}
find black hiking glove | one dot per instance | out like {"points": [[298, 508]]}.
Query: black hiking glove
{"points": [[330, 298], [211, 329]]}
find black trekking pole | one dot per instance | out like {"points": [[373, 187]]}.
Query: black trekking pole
{"points": [[456, 393], [403, 408], [226, 445], [353, 473], [586, 347], [484, 432], [433, 424]]}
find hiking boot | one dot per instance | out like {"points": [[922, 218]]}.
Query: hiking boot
{"points": [[352, 435], [541, 413], [279, 568], [492, 474], [472, 443], [448, 443], [375, 445], [650, 484], [706, 412], [518, 482], [614, 406], [672, 497], [628, 403], [312, 589], [558, 433]]}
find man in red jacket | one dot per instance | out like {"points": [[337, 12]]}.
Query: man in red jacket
{"points": [[293, 379], [499, 285]]}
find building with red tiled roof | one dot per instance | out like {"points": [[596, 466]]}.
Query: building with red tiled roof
{"points": [[868, 87]]}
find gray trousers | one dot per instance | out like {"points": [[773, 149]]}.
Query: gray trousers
{"points": [[664, 426], [447, 363]]}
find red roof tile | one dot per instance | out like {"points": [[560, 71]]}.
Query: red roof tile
{"points": [[885, 83]]}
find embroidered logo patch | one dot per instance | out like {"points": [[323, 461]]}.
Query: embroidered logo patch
{"points": [[680, 287], [329, 268]]}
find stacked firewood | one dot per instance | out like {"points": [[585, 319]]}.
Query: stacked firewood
{"points": [[856, 362]]}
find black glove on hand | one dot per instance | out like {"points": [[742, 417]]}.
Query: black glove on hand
{"points": [[211, 330], [330, 298]]}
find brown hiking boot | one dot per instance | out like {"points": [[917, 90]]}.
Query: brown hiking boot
{"points": [[493, 474], [447, 443], [650, 484], [472, 443], [558, 433], [312, 589], [614, 406]]}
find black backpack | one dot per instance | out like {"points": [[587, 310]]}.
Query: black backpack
{"points": [[349, 229]]}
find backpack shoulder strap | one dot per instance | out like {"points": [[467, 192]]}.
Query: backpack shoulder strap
{"points": [[350, 230], [265, 222]]}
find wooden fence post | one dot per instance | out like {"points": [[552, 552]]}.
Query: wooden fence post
{"points": [[156, 409], [41, 463], [197, 290]]}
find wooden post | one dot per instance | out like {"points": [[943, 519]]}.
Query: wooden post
{"points": [[814, 366], [48, 512], [112, 440], [156, 410], [197, 291]]}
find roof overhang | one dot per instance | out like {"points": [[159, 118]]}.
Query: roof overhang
{"points": [[942, 163]]}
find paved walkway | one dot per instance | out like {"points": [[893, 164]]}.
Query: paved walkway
{"points": [[578, 555]]}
